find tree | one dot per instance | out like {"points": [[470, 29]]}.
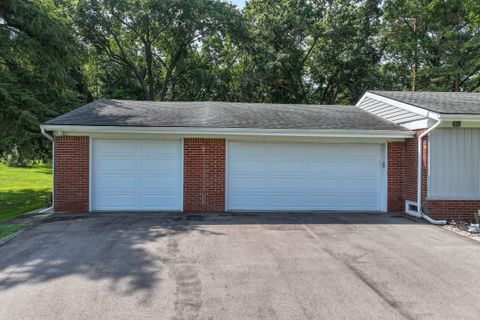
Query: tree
{"points": [[149, 39], [282, 37], [39, 76], [437, 42], [344, 64]]}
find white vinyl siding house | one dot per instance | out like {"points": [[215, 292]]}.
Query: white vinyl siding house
{"points": [[454, 164]]}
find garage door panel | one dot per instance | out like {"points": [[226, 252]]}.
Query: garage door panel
{"points": [[286, 185], [116, 165], [285, 202], [248, 185], [325, 202], [163, 167], [285, 150], [115, 202], [154, 201], [361, 185], [287, 168], [240, 150], [360, 151], [166, 185], [116, 183], [320, 176], [247, 201], [136, 174], [324, 150], [360, 202], [323, 185], [361, 167], [323, 168], [168, 150], [240, 167], [115, 147]]}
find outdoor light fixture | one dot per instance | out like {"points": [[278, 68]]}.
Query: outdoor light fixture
{"points": [[456, 124]]}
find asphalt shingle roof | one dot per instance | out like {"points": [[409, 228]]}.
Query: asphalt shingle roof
{"points": [[440, 102], [222, 115]]}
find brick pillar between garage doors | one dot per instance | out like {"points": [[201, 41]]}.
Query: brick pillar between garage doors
{"points": [[71, 174], [204, 174]]}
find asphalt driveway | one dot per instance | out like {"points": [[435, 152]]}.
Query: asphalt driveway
{"points": [[245, 266]]}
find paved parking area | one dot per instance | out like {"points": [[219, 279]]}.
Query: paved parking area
{"points": [[243, 266]]}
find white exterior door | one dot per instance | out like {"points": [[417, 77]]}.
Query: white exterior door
{"points": [[304, 176], [136, 175]]}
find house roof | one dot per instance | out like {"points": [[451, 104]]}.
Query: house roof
{"points": [[439, 102], [128, 113]]}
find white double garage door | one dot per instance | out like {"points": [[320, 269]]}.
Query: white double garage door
{"points": [[145, 175]]}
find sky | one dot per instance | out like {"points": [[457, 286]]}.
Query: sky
{"points": [[239, 3]]}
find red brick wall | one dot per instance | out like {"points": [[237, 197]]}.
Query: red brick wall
{"points": [[410, 171], [396, 199], [71, 173], [452, 209], [402, 172], [204, 174]]}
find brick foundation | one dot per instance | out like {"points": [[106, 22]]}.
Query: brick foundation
{"points": [[452, 209], [204, 174], [71, 173]]}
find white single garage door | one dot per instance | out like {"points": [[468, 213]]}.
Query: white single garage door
{"points": [[304, 176], [136, 175]]}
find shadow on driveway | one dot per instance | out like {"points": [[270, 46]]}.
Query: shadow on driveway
{"points": [[238, 266], [120, 246], [97, 246]]}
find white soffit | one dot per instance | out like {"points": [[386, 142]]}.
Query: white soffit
{"points": [[403, 114]]}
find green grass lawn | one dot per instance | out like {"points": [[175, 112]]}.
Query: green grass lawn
{"points": [[24, 189], [8, 229]]}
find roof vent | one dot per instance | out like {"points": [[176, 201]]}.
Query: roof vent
{"points": [[456, 124]]}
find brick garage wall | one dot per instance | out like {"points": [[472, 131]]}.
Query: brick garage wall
{"points": [[402, 172], [71, 173], [410, 167], [396, 199], [204, 174]]}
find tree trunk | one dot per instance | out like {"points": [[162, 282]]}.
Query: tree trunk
{"points": [[168, 75], [415, 57], [150, 80]]}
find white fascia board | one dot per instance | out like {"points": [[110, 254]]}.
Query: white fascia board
{"points": [[402, 105], [417, 125], [460, 117], [231, 131]]}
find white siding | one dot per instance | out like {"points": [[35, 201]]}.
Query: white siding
{"points": [[389, 112], [454, 164]]}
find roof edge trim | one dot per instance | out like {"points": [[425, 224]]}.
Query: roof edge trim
{"points": [[234, 131]]}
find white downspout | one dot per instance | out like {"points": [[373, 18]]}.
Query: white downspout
{"points": [[49, 137], [419, 213]]}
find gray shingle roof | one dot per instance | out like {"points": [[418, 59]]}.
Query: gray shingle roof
{"points": [[440, 102], [222, 115]]}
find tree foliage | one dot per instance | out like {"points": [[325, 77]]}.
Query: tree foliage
{"points": [[39, 76], [436, 41], [57, 54]]}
